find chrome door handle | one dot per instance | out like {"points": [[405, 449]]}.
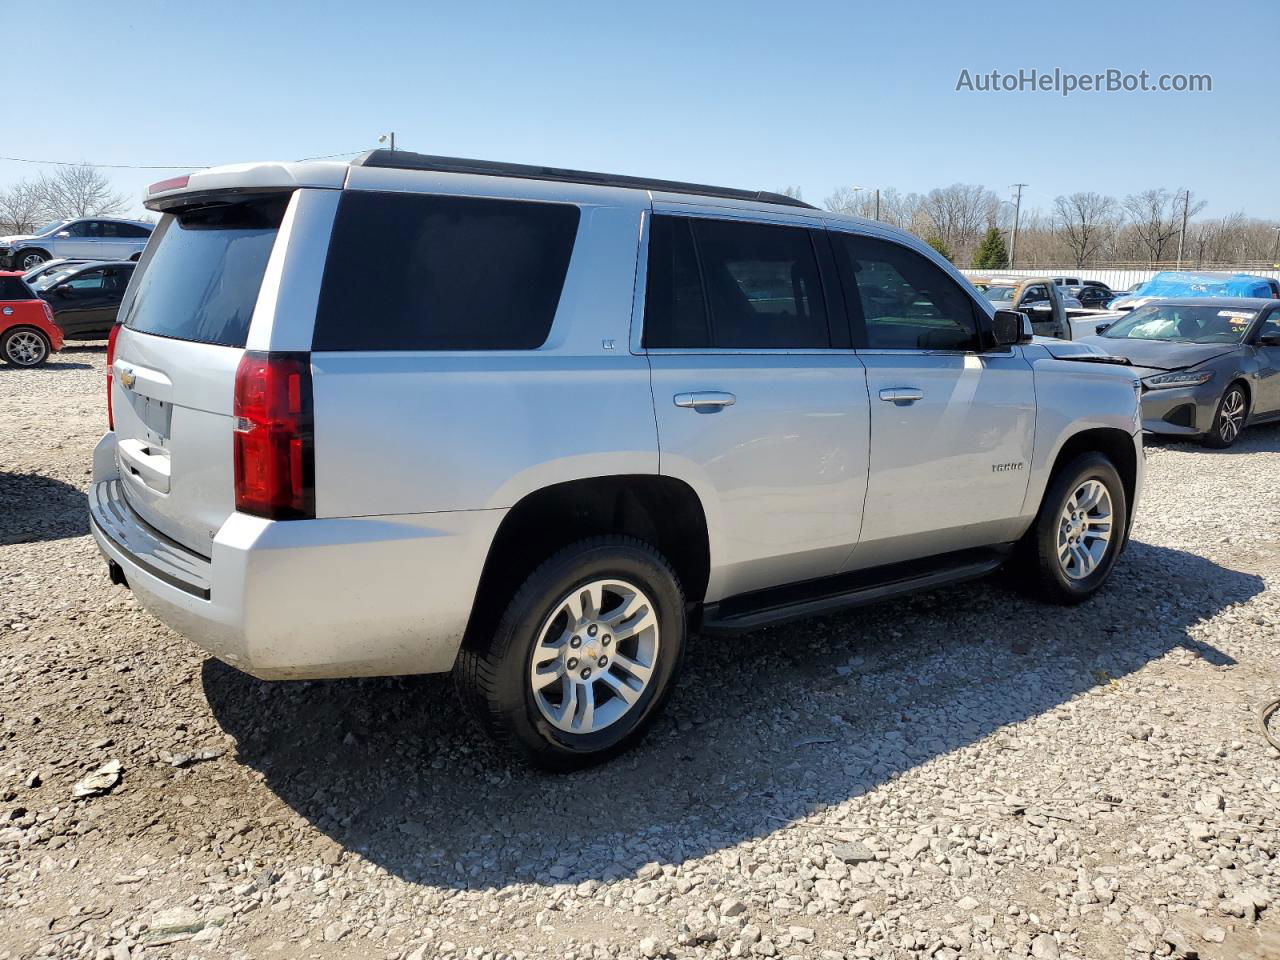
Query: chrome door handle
{"points": [[901, 395], [705, 400]]}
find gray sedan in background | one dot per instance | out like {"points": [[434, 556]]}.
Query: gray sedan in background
{"points": [[1209, 366]]}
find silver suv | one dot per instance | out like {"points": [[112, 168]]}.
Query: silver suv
{"points": [[556, 421], [87, 238]]}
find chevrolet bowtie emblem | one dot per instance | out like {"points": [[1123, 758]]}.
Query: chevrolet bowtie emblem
{"points": [[128, 378]]}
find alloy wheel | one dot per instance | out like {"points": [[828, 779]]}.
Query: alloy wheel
{"points": [[1231, 419], [1084, 529], [25, 348], [595, 655], [30, 260]]}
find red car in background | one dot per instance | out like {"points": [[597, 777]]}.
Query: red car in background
{"points": [[27, 331]]}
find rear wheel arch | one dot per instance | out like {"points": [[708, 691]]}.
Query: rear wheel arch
{"points": [[661, 511]]}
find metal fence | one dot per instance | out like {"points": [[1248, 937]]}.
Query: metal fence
{"points": [[1122, 278]]}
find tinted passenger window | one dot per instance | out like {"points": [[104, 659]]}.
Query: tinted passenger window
{"points": [[89, 280], [443, 273], [759, 286], [675, 311], [13, 288], [81, 229], [132, 231], [906, 302]]}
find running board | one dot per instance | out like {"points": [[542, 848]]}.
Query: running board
{"points": [[765, 608]]}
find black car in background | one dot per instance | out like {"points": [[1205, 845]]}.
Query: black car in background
{"points": [[85, 298], [1092, 296]]}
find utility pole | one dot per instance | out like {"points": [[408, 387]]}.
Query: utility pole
{"points": [[878, 204], [1017, 213], [1182, 234], [1275, 249], [389, 139]]}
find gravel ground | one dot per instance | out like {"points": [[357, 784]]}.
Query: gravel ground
{"points": [[960, 774]]}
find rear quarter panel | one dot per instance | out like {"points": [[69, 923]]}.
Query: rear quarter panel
{"points": [[424, 431]]}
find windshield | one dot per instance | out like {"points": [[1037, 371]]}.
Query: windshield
{"points": [[994, 293], [49, 228], [1178, 323]]}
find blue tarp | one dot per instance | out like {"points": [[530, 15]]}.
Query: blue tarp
{"points": [[1190, 283]]}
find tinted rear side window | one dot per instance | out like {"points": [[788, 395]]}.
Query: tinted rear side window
{"points": [[417, 272], [205, 272], [13, 288], [733, 285], [675, 311]]}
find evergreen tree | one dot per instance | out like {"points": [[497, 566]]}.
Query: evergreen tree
{"points": [[991, 252], [941, 246]]}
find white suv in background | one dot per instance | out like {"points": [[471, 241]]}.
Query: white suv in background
{"points": [[557, 420], [87, 238]]}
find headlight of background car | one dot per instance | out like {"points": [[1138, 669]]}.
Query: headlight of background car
{"points": [[1180, 378]]}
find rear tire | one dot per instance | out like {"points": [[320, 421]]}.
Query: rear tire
{"points": [[1230, 418], [583, 658], [27, 259], [24, 347], [1070, 550]]}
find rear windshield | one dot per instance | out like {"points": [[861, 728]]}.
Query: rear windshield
{"points": [[421, 272], [205, 270]]}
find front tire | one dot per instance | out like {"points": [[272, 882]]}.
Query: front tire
{"points": [[29, 259], [1229, 421], [1079, 532], [24, 347], [583, 658]]}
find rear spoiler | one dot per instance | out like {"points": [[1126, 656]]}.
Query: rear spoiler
{"points": [[241, 179]]}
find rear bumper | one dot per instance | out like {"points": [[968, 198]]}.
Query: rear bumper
{"points": [[307, 598]]}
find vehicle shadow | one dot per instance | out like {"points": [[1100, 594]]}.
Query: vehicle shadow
{"points": [[49, 365], [763, 729], [38, 508], [1261, 437]]}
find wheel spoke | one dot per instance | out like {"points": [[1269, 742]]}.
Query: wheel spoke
{"points": [[585, 721], [638, 670], [621, 688], [543, 678]]}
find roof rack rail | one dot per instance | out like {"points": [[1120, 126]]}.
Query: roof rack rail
{"points": [[404, 160]]}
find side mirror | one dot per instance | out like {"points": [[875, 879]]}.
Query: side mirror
{"points": [[1269, 340], [1100, 327], [63, 234], [1007, 328], [62, 290]]}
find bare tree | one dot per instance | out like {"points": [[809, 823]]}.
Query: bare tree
{"points": [[1156, 216], [1085, 221], [793, 192], [22, 207], [959, 213], [79, 191]]}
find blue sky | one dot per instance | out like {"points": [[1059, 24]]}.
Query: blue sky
{"points": [[742, 93]]}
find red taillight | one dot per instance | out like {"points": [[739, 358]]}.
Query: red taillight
{"points": [[111, 357], [273, 436], [173, 183]]}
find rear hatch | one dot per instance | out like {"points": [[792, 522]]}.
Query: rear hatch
{"points": [[186, 321]]}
